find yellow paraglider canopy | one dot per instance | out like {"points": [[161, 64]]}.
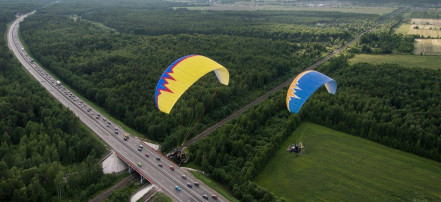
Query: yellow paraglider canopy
{"points": [[183, 73]]}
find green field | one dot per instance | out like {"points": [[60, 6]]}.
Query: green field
{"points": [[341, 167], [403, 29], [431, 62]]}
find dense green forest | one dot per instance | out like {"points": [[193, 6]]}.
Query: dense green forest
{"points": [[118, 69], [45, 153]]}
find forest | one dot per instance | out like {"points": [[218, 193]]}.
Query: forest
{"points": [[118, 69], [46, 154]]}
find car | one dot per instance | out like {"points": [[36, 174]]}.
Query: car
{"points": [[205, 196], [184, 177], [196, 184], [214, 197], [178, 188], [139, 164], [158, 159], [140, 148], [147, 155], [189, 185], [172, 168], [116, 132], [160, 165]]}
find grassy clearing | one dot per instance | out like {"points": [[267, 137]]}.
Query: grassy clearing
{"points": [[431, 62], [221, 189], [341, 167], [403, 29], [363, 10]]}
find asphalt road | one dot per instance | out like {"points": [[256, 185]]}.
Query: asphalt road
{"points": [[148, 167]]}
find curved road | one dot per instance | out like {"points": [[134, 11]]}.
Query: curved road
{"points": [[148, 167]]}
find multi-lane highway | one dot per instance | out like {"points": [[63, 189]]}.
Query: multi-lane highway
{"points": [[152, 165]]}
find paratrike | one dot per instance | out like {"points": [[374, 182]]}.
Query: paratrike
{"points": [[298, 149]]}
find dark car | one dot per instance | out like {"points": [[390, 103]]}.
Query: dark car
{"points": [[189, 185], [157, 158], [146, 155], [205, 196], [160, 165]]}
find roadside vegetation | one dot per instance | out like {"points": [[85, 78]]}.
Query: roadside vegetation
{"points": [[221, 189], [46, 154], [123, 194], [334, 161], [160, 197]]}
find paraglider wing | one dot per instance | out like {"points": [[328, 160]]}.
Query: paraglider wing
{"points": [[304, 85], [183, 73]]}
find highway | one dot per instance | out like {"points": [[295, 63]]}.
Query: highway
{"points": [[150, 164]]}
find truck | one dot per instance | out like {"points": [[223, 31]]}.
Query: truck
{"points": [[126, 136]]}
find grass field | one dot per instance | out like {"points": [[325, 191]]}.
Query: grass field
{"points": [[431, 62], [352, 9], [341, 167], [427, 47], [402, 29]]}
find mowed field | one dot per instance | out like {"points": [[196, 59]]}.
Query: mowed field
{"points": [[413, 61], [340, 167], [403, 29], [427, 46], [352, 9]]}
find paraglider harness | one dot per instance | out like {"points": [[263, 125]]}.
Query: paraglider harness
{"points": [[298, 149]]}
